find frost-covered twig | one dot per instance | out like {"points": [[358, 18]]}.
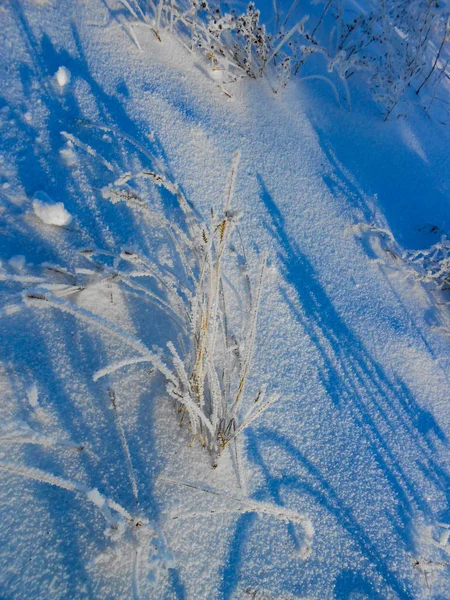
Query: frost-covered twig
{"points": [[126, 449], [20, 432], [115, 516], [432, 265], [244, 505]]}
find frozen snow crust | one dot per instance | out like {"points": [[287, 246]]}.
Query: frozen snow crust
{"points": [[344, 481]]}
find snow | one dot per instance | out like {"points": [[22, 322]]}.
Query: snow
{"points": [[62, 76], [17, 262], [68, 154], [32, 394], [95, 497], [338, 486], [49, 212]]}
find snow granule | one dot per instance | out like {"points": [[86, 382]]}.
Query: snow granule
{"points": [[51, 213], [62, 76]]}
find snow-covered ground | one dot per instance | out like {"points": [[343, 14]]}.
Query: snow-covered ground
{"points": [[357, 446]]}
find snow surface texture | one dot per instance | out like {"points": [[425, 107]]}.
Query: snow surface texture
{"points": [[345, 490]]}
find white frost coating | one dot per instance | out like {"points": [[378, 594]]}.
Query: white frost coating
{"points": [[20, 432], [124, 363], [62, 76], [11, 309], [20, 278], [95, 497], [51, 213], [116, 522], [247, 505], [76, 142], [15, 429], [44, 301]]}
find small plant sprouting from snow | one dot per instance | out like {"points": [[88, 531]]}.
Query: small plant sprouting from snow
{"points": [[208, 369], [428, 266]]}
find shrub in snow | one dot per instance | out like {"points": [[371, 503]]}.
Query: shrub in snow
{"points": [[49, 212], [235, 44], [429, 266], [398, 46]]}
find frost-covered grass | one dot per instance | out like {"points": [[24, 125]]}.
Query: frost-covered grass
{"points": [[210, 361], [400, 50], [215, 313], [148, 303]]}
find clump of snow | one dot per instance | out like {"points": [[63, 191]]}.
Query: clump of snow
{"points": [[49, 212], [68, 154], [32, 394], [17, 262], [62, 76]]}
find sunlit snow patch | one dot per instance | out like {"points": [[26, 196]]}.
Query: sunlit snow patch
{"points": [[51, 213], [62, 76]]}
